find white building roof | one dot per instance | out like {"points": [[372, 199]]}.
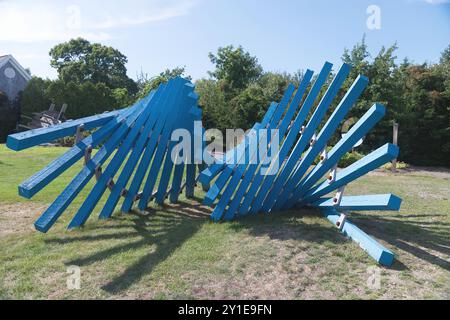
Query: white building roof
{"points": [[9, 58]]}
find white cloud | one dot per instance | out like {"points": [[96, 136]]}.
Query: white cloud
{"points": [[437, 1], [152, 12], [25, 21]]}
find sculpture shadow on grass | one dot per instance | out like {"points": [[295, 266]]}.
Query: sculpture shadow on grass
{"points": [[167, 231], [413, 237], [178, 223]]}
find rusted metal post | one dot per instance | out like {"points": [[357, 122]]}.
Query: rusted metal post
{"points": [[395, 142]]}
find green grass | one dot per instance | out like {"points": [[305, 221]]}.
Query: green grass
{"points": [[175, 252]]}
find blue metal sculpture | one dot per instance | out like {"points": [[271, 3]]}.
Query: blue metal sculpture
{"points": [[137, 142]]}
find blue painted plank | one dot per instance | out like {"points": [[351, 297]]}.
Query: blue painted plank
{"points": [[243, 154], [136, 154], [304, 140], [183, 122], [31, 138], [370, 162], [119, 157], [377, 251], [195, 115], [42, 178], [166, 105], [162, 147], [264, 135], [207, 175], [381, 202], [325, 134], [191, 169], [252, 168], [277, 181], [358, 131], [217, 213], [242, 150], [49, 217], [253, 195], [177, 183], [274, 125]]}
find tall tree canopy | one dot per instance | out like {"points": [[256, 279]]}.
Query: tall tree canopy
{"points": [[146, 84], [79, 61], [239, 92], [235, 68]]}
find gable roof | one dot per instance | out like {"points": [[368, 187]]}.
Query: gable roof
{"points": [[9, 58]]}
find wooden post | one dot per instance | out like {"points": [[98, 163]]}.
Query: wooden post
{"points": [[395, 142]]}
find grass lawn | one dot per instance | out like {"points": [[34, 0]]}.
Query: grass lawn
{"points": [[176, 252]]}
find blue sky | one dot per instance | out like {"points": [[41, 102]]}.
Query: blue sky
{"points": [[286, 35]]}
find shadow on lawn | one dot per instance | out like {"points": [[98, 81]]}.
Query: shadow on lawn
{"points": [[407, 235], [415, 237], [170, 227], [166, 230], [286, 226]]}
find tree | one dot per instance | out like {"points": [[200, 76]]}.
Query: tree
{"points": [[235, 68], [34, 98], [9, 115], [426, 120], [214, 105], [146, 84], [244, 109], [384, 87], [83, 99], [445, 57], [80, 61]]}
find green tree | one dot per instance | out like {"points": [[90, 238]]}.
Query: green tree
{"points": [[34, 97], [252, 103], [425, 125], [80, 61], [214, 105], [83, 99], [384, 87], [146, 84], [235, 68]]}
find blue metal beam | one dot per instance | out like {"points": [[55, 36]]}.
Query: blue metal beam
{"points": [[370, 162], [49, 217], [377, 251], [183, 122], [41, 179], [121, 154], [254, 168], [150, 149], [325, 134], [270, 189], [163, 145], [382, 202], [31, 138], [358, 131]]}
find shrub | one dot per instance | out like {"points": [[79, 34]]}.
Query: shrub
{"points": [[400, 165], [350, 158]]}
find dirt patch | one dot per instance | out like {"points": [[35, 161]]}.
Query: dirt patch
{"points": [[18, 218], [440, 173]]}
